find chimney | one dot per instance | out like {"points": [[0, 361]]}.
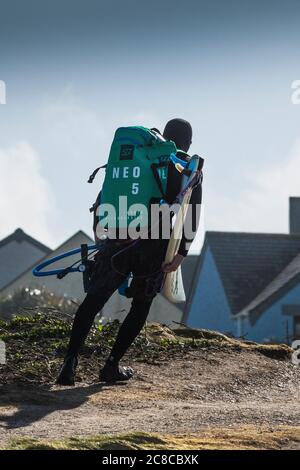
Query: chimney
{"points": [[294, 215]]}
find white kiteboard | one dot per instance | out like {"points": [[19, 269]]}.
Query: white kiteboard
{"points": [[173, 288]]}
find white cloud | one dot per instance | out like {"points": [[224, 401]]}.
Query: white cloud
{"points": [[143, 118], [73, 130], [26, 200], [74, 140], [263, 205]]}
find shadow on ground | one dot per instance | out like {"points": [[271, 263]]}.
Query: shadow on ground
{"points": [[34, 403]]}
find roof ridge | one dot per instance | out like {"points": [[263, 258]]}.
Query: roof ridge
{"points": [[70, 238], [19, 235], [260, 234]]}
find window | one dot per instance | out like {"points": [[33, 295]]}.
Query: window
{"points": [[297, 326]]}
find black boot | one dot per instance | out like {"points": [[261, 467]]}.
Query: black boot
{"points": [[67, 372], [115, 373]]}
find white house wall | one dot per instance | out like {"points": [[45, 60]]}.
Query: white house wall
{"points": [[162, 311], [15, 258]]}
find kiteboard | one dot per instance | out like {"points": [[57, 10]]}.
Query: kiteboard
{"points": [[173, 288]]}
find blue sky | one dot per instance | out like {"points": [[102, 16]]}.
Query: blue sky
{"points": [[76, 70]]}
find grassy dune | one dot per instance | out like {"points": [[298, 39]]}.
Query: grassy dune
{"points": [[37, 343]]}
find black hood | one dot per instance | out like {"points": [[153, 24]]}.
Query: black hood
{"points": [[180, 131]]}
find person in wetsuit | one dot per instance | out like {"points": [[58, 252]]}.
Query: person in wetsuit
{"points": [[146, 256]]}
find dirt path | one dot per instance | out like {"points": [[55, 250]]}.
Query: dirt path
{"points": [[205, 390]]}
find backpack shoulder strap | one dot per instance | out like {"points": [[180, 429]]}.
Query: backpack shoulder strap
{"points": [[92, 176], [154, 167]]}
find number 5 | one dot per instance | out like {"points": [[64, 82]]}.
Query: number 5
{"points": [[135, 188]]}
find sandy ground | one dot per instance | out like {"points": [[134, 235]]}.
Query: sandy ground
{"points": [[206, 389]]}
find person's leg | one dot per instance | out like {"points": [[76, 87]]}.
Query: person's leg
{"points": [[148, 258], [105, 281], [83, 321], [129, 330]]}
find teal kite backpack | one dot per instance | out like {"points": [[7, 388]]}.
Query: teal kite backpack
{"points": [[137, 168]]}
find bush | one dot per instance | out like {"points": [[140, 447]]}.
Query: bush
{"points": [[26, 301]]}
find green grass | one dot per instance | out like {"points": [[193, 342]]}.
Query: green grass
{"points": [[246, 438]]}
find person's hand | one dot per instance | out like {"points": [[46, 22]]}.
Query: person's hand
{"points": [[175, 263]]}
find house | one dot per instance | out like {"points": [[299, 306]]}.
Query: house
{"points": [[71, 286], [248, 284], [276, 310], [18, 252]]}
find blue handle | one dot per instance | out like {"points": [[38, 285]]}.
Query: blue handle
{"points": [[174, 159], [37, 270]]}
